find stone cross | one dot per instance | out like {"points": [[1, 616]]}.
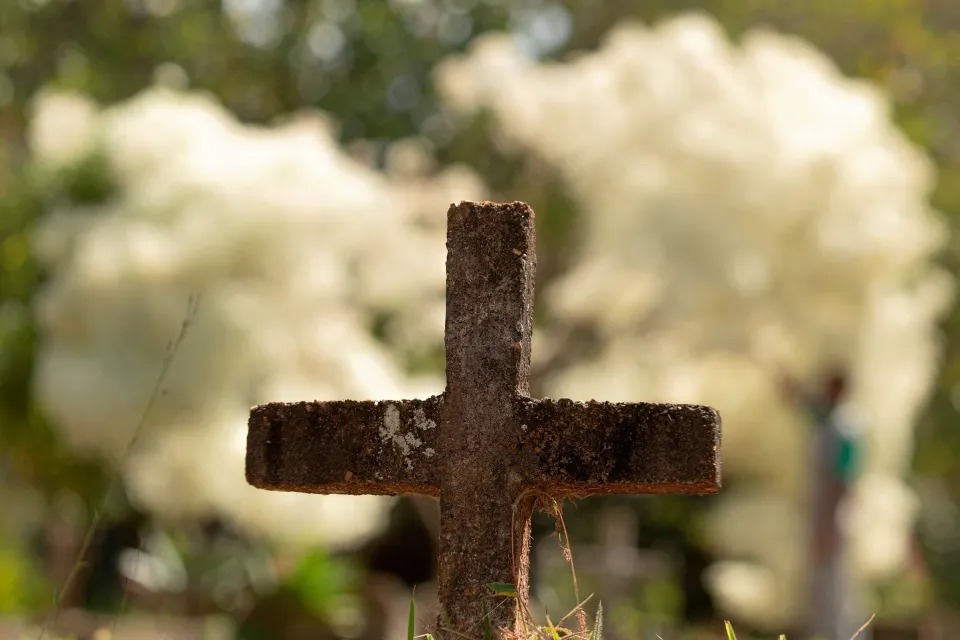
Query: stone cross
{"points": [[484, 447]]}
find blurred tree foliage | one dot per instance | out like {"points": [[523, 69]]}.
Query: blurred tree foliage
{"points": [[910, 48], [368, 63]]}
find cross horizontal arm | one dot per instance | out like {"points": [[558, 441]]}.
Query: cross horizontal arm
{"points": [[383, 448], [577, 448]]}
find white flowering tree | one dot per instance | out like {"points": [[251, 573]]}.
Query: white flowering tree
{"points": [[749, 216], [317, 278]]}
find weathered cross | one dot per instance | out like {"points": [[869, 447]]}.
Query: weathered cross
{"points": [[483, 446]]}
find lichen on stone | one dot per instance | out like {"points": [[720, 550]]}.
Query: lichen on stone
{"points": [[392, 432]]}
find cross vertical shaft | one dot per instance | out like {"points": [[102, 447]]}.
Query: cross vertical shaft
{"points": [[491, 264]]}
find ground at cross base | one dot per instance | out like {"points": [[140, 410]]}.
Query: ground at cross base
{"points": [[76, 624]]}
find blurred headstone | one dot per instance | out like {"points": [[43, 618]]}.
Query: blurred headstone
{"points": [[613, 571]]}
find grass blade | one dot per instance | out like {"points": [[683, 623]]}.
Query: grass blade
{"points": [[598, 623], [865, 625], [116, 480], [487, 629], [730, 634], [552, 628], [412, 615]]}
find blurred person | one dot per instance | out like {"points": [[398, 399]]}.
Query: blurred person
{"points": [[834, 601]]}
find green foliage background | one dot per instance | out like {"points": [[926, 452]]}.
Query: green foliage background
{"points": [[380, 90]]}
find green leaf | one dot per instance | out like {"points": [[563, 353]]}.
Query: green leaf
{"points": [[503, 589], [552, 628], [320, 580]]}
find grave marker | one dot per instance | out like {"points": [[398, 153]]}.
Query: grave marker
{"points": [[484, 447]]}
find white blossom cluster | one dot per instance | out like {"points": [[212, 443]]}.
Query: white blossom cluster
{"points": [[317, 278], [750, 215]]}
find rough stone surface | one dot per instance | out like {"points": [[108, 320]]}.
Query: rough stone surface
{"points": [[345, 447], [485, 448]]}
